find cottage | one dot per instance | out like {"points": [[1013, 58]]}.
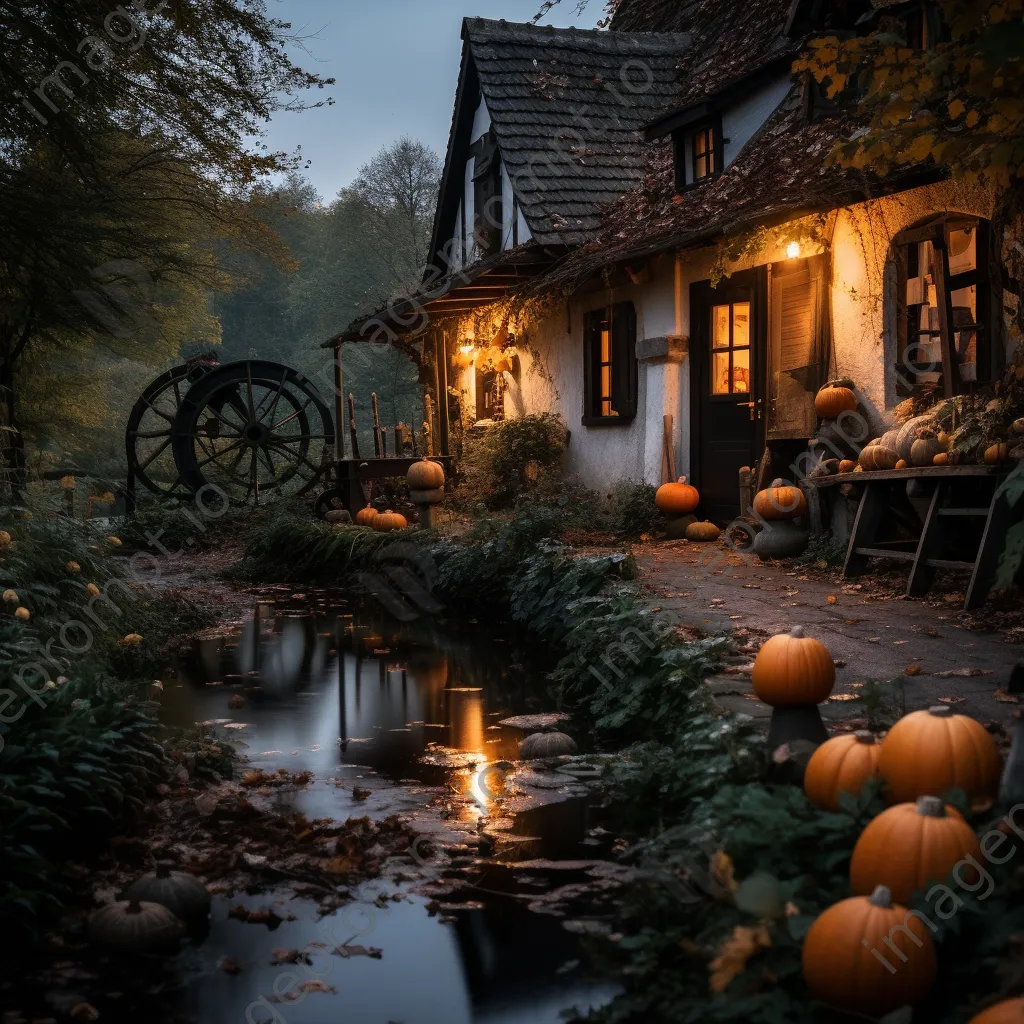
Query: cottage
{"points": [[640, 229]]}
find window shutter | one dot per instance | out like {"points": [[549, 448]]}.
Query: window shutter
{"points": [[591, 364], [799, 348], [624, 359]]}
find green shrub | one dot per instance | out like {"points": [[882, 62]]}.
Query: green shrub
{"points": [[633, 511]]}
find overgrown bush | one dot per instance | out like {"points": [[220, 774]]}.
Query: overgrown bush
{"points": [[632, 510]]}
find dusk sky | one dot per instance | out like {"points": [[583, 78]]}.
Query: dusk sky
{"points": [[397, 66]]}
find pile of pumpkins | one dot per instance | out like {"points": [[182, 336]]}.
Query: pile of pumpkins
{"points": [[917, 841], [677, 502], [779, 505], [426, 487], [382, 522], [153, 915]]}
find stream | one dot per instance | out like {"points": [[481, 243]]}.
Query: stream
{"points": [[390, 718]]}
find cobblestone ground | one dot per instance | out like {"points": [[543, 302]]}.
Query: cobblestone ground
{"points": [[873, 632]]}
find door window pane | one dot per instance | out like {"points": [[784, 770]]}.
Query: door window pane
{"points": [[720, 373], [741, 370], [741, 324], [720, 327]]}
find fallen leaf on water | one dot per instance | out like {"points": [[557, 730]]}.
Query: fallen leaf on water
{"points": [[912, 670], [874, 639], [735, 952], [288, 956], [957, 673], [851, 622], [952, 700], [1005, 698], [229, 965], [346, 951], [358, 793], [832, 599]]}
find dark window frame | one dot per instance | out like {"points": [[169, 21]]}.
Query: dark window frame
{"points": [[686, 169], [986, 326], [621, 322]]}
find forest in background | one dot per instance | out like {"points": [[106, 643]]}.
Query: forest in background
{"points": [[334, 260]]}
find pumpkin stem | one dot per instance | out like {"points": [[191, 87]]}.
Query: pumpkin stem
{"points": [[881, 897], [134, 907], [797, 631], [163, 869], [930, 807], [941, 711], [864, 736], [682, 480]]}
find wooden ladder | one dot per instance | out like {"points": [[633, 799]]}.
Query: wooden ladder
{"points": [[876, 510]]}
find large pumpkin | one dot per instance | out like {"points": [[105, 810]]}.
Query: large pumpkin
{"points": [[793, 670], [1010, 1011], [832, 400], [924, 450], [133, 927], [841, 765], [678, 499], [841, 954], [909, 433], [366, 516], [780, 501], [182, 894], [425, 476], [910, 846], [878, 456], [546, 744], [928, 753], [385, 522], [780, 539]]}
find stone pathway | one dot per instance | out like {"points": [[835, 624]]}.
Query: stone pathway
{"points": [[873, 634]]}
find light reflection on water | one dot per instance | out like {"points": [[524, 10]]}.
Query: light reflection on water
{"points": [[361, 701]]}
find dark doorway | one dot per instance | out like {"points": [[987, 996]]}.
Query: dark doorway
{"points": [[727, 358]]}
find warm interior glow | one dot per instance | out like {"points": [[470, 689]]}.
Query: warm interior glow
{"points": [[793, 250], [466, 347]]}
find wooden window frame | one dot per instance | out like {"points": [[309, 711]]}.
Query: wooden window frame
{"points": [[620, 319], [686, 169], [986, 323]]}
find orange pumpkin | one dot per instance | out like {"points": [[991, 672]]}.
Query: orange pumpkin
{"points": [[878, 456], [841, 765], [1010, 1011], [910, 846], [928, 753], [841, 954], [780, 501], [847, 466], [425, 476], [678, 499], [701, 532], [901, 464], [832, 401], [997, 453], [366, 516], [942, 459], [385, 522], [793, 670]]}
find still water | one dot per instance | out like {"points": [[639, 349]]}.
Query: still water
{"points": [[389, 717]]}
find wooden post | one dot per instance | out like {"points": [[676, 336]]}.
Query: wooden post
{"points": [[443, 393], [352, 425], [950, 367], [339, 403], [428, 425], [746, 490], [376, 426]]}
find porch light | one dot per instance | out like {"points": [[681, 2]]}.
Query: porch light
{"points": [[466, 347], [792, 250]]}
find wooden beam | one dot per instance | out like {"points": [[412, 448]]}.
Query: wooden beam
{"points": [[950, 367], [443, 393]]}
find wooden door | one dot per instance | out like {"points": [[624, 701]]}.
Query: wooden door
{"points": [[727, 384]]}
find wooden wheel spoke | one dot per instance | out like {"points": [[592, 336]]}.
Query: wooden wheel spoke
{"points": [[302, 408], [302, 458], [222, 452], [145, 465]]}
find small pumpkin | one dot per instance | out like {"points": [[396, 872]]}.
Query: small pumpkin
{"points": [[997, 453], [11, 597], [833, 400], [366, 516], [73, 568], [133, 926], [1009, 1011], [1016, 428], [182, 894], [910, 846], [546, 744], [425, 475], [841, 765], [5, 540], [386, 522], [780, 501], [114, 541], [702, 532], [839, 961], [901, 464], [847, 466], [924, 450], [22, 614], [942, 459], [945, 438], [677, 499], [131, 640], [92, 590], [928, 753], [793, 670]]}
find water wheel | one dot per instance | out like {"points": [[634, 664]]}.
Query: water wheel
{"points": [[148, 434], [254, 429]]}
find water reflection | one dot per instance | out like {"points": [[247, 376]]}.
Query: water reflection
{"points": [[398, 708]]}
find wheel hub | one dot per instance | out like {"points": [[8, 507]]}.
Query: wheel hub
{"points": [[256, 434]]}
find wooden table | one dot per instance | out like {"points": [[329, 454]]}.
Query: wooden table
{"points": [[958, 495]]}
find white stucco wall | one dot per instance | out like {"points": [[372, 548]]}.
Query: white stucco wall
{"points": [[508, 208], [469, 205], [739, 122], [481, 122]]}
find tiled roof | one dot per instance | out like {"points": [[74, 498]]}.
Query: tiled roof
{"points": [[780, 173], [566, 108]]}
